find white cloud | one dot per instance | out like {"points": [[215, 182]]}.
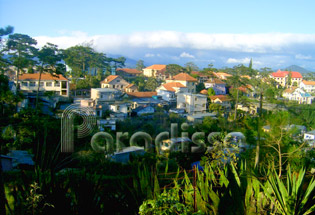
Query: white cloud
{"points": [[303, 57], [260, 43], [240, 61], [186, 55]]}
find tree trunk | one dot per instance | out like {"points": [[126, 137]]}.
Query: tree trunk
{"points": [[17, 89], [236, 103], [37, 94], [258, 130]]}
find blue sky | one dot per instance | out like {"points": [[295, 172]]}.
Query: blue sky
{"points": [[226, 33]]}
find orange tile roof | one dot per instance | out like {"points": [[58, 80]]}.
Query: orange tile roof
{"points": [[309, 82], [109, 78], [183, 77], [44, 77], [215, 81], [170, 86], [222, 74], [142, 94], [282, 74], [289, 90], [204, 91], [221, 97], [130, 85], [157, 67], [129, 71]]}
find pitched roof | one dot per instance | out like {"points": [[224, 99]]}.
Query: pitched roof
{"points": [[221, 97], [131, 85], [309, 82], [204, 91], [170, 86], [44, 77], [282, 74], [183, 77], [157, 67], [129, 71], [142, 94], [219, 74], [215, 81], [109, 79], [289, 90]]}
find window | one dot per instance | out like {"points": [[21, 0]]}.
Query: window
{"points": [[24, 84], [48, 84], [41, 84], [32, 84], [57, 84]]}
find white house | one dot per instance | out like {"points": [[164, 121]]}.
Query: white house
{"points": [[310, 137], [297, 94], [114, 82], [192, 103], [124, 108], [217, 85], [186, 80], [308, 86], [169, 90], [57, 84], [100, 95]]}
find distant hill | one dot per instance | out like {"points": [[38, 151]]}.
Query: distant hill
{"points": [[297, 69]]}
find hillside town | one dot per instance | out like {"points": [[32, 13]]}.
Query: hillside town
{"points": [[81, 132]]}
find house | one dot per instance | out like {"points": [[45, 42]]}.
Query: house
{"points": [[308, 86], [283, 78], [185, 80], [57, 84], [201, 77], [223, 100], [156, 70], [105, 95], [124, 108], [106, 123], [192, 103], [125, 154], [131, 88], [128, 73], [114, 82], [198, 118], [169, 90], [222, 75], [309, 137], [297, 94], [217, 85], [141, 110], [21, 158]]}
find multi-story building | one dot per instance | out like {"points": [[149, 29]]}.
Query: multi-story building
{"points": [[308, 86], [156, 70], [185, 80], [192, 103], [297, 94], [57, 84], [169, 90], [114, 82], [283, 78]]}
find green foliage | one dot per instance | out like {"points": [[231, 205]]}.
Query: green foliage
{"points": [[291, 196], [140, 65], [199, 87], [211, 92], [151, 84]]}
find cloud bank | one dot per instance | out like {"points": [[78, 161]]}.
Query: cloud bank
{"points": [[227, 48]]}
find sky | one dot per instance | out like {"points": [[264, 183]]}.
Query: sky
{"points": [[273, 33]]}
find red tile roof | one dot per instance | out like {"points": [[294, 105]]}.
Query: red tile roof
{"points": [[109, 78], [170, 86], [44, 77], [289, 90], [204, 91], [221, 97], [142, 94], [282, 74], [157, 67], [129, 71], [130, 85], [183, 77]]}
